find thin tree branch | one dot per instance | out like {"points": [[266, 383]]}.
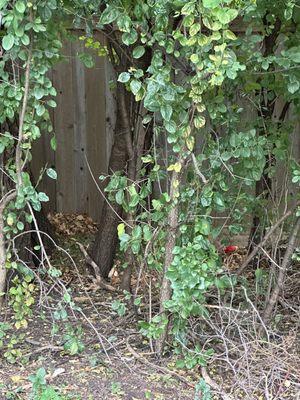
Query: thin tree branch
{"points": [[280, 281], [266, 237]]}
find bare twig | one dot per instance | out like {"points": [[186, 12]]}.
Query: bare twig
{"points": [[280, 280], [265, 239], [157, 367], [99, 280], [197, 170]]}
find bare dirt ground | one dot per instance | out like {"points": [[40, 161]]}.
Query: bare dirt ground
{"points": [[112, 364], [107, 368], [92, 374], [113, 361]]}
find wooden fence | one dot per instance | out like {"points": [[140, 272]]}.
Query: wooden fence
{"points": [[83, 132]]}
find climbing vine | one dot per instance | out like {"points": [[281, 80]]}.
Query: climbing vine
{"points": [[212, 154], [30, 46]]}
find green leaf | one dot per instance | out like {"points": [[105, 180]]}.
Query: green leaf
{"points": [[25, 40], [211, 3], [188, 20], [171, 126], [204, 227], [8, 42], [109, 15], [86, 59], [20, 6], [40, 110], [43, 197], [218, 199], [188, 8], [53, 143], [3, 3], [146, 120], [166, 112], [51, 103], [293, 54], [51, 173], [121, 230], [296, 179], [293, 86], [135, 86], [124, 77], [229, 35], [134, 200], [129, 38], [147, 233], [38, 92], [199, 121], [119, 196], [138, 52], [124, 23], [135, 246], [194, 29], [226, 15], [137, 232], [194, 58]]}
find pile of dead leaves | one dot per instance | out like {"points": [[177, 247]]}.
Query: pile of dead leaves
{"points": [[72, 224]]}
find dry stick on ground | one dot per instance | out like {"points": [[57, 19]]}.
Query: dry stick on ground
{"points": [[157, 367], [99, 280], [265, 239], [280, 280], [210, 382]]}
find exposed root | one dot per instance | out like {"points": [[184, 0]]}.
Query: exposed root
{"points": [[98, 281]]}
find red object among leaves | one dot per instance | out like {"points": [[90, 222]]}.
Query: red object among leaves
{"points": [[230, 249]]}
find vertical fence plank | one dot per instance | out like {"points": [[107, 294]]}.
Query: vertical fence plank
{"points": [[96, 140], [79, 176], [64, 128]]}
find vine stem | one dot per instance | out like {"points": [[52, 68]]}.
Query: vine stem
{"points": [[172, 224], [18, 155], [8, 197]]}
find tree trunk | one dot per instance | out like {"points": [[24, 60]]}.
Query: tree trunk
{"points": [[125, 156], [106, 240], [136, 146], [263, 187], [262, 190]]}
